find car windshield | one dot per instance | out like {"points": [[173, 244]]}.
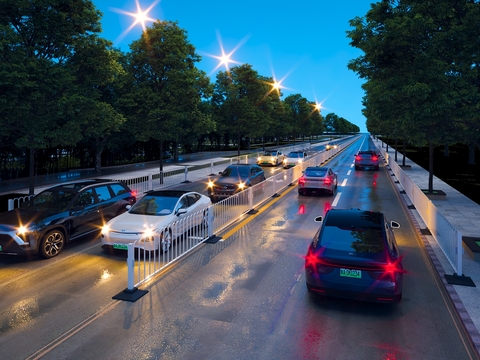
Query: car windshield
{"points": [[270, 153], [236, 171], [295, 155], [52, 199], [316, 172], [154, 205]]}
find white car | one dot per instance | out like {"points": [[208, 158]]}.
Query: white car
{"points": [[271, 157], [157, 220], [293, 158]]}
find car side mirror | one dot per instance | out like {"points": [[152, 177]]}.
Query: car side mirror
{"points": [[394, 225], [181, 211], [318, 219]]}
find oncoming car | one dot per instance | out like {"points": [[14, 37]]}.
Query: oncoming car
{"points": [[43, 224], [330, 146], [235, 178], [155, 221], [294, 158], [317, 179], [354, 255], [271, 157]]}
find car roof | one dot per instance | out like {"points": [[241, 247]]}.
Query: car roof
{"points": [[81, 184], [167, 193], [321, 168], [367, 152], [354, 218]]}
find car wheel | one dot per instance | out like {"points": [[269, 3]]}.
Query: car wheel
{"points": [[52, 243], [166, 240]]}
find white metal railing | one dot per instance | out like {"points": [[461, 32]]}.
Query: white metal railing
{"points": [[220, 216], [448, 238]]}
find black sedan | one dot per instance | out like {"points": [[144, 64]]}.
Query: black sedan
{"points": [[43, 224], [233, 179], [354, 255]]}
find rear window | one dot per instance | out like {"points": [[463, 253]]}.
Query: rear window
{"points": [[316, 173], [364, 241]]}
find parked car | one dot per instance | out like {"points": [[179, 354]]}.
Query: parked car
{"points": [[271, 157], [155, 221], [316, 180], [366, 159], [43, 224], [293, 158], [354, 255], [235, 178], [330, 146]]}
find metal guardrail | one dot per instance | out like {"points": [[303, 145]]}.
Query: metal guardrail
{"points": [[220, 216], [445, 234]]}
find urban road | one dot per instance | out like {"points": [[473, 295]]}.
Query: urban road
{"points": [[241, 298]]}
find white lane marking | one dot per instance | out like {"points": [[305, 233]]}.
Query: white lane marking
{"points": [[348, 172], [337, 197], [344, 182]]}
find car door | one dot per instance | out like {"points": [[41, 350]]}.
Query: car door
{"points": [[84, 213]]}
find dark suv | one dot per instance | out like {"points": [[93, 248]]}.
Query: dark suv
{"points": [[234, 179], [43, 224], [366, 159]]}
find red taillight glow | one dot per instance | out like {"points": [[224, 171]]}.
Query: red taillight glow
{"points": [[327, 181], [391, 269], [133, 193], [374, 158], [358, 158], [311, 260], [301, 181]]}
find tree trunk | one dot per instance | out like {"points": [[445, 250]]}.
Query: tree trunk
{"points": [[31, 171], [430, 167], [160, 142], [404, 151], [471, 153]]}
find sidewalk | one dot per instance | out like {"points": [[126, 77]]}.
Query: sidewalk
{"points": [[464, 215]]}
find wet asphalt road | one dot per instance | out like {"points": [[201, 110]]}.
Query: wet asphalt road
{"points": [[241, 298]]}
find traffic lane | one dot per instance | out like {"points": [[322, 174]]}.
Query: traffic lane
{"points": [[54, 299], [424, 297]]}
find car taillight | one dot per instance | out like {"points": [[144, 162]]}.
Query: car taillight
{"points": [[388, 271], [301, 181], [374, 158], [133, 193], [327, 181], [358, 158], [314, 263]]}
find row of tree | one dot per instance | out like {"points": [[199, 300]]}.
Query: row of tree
{"points": [[62, 86], [421, 64]]}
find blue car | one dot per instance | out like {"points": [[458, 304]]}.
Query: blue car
{"points": [[354, 255]]}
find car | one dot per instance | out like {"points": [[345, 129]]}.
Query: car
{"points": [[234, 179], [354, 255], [60, 214], [271, 157], [154, 222], [366, 159], [316, 180], [330, 146], [293, 158]]}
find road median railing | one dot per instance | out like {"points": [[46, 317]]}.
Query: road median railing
{"points": [[188, 233]]}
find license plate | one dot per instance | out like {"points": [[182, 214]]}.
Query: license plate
{"points": [[120, 246], [357, 274]]}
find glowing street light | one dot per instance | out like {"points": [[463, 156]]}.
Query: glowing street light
{"points": [[141, 17]]}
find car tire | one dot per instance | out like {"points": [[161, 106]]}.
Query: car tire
{"points": [[52, 244], [166, 241]]}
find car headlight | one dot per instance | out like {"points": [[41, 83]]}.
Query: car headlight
{"points": [[23, 230], [259, 158], [105, 229], [300, 160], [210, 184], [272, 159], [241, 186]]}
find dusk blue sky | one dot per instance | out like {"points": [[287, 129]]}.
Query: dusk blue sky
{"points": [[303, 42]]}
